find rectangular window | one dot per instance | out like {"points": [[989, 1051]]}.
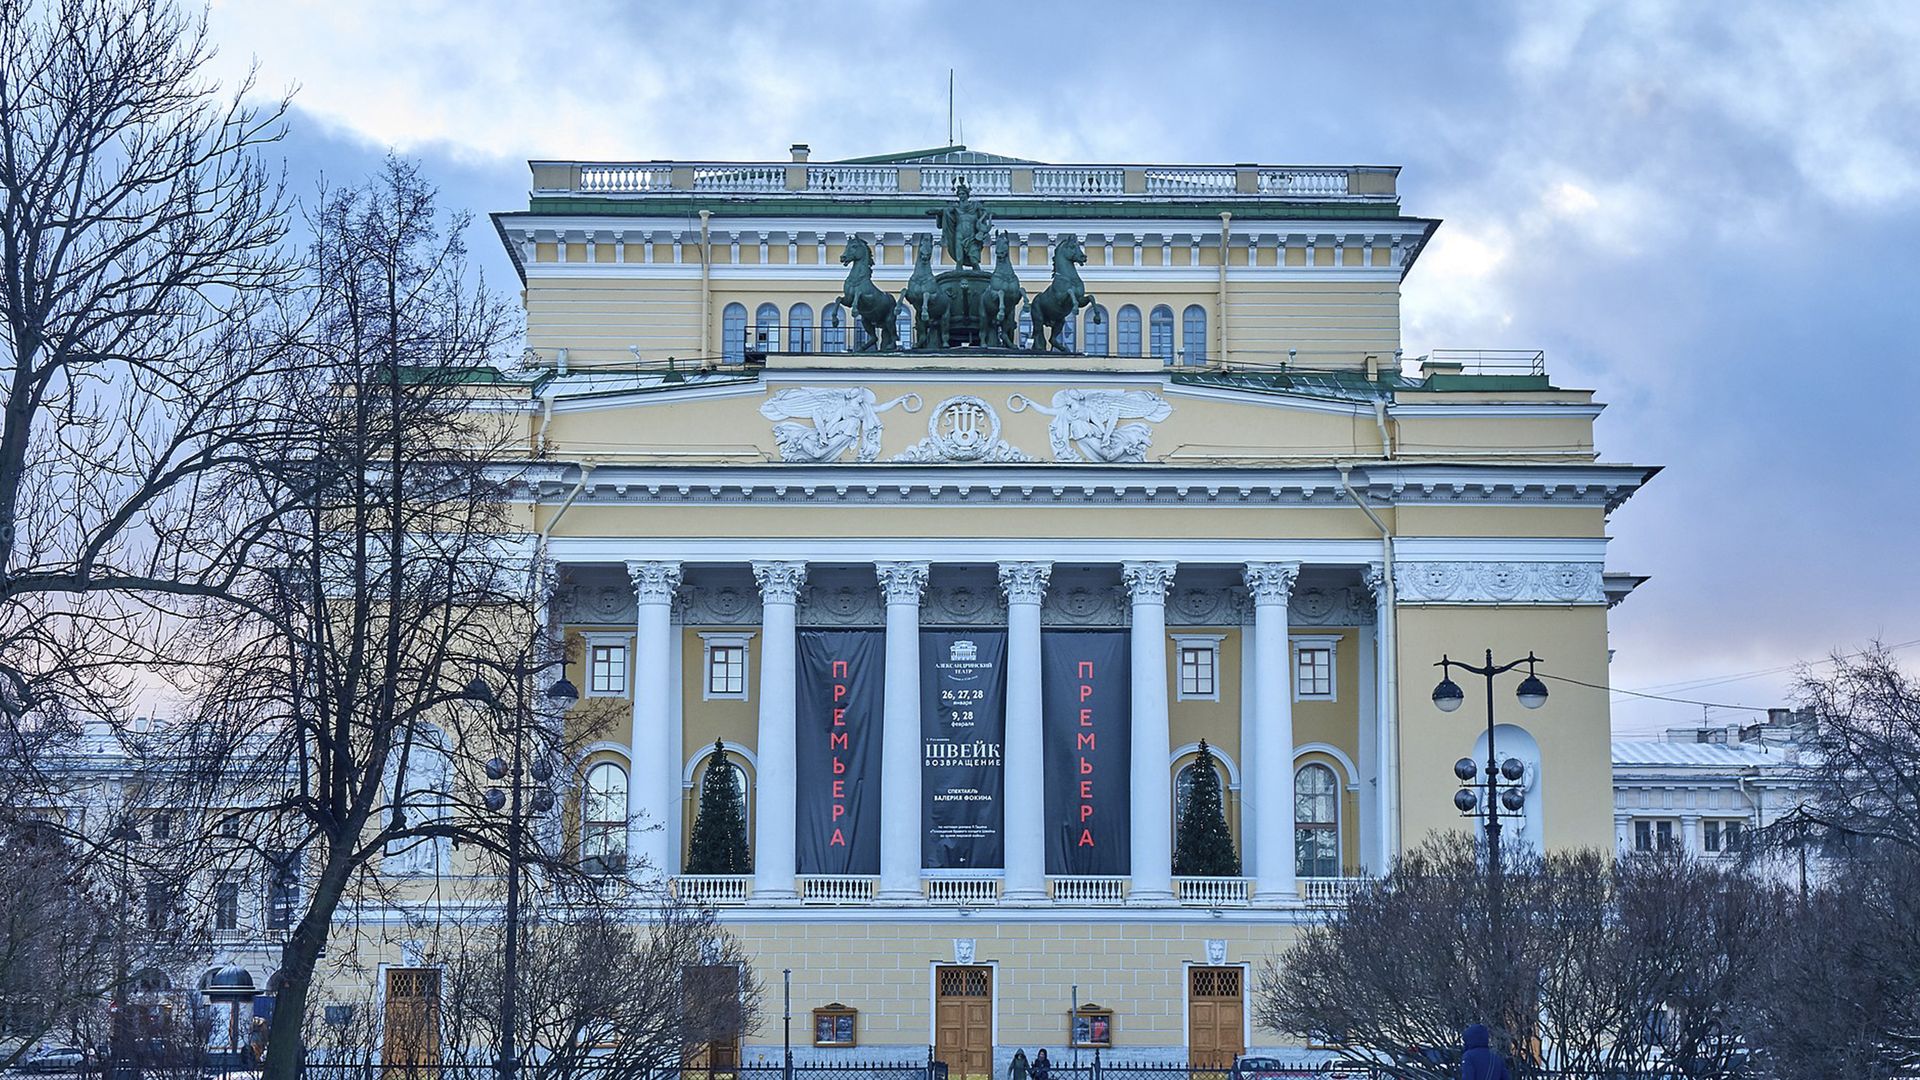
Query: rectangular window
{"points": [[1663, 836], [1313, 673], [159, 905], [726, 671], [1731, 835], [283, 889], [1643, 836], [226, 905], [1197, 671], [162, 828], [607, 671]]}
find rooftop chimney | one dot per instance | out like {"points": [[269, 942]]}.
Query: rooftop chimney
{"points": [[800, 152]]}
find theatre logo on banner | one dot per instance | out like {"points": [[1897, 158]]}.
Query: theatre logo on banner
{"points": [[838, 713], [1086, 694], [963, 724]]}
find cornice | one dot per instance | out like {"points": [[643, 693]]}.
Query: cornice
{"points": [[883, 483]]}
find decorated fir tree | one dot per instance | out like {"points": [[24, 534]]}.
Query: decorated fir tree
{"points": [[1202, 846], [719, 844]]}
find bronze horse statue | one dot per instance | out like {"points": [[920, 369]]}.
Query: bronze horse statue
{"points": [[1000, 304], [932, 312], [1064, 295], [874, 307]]}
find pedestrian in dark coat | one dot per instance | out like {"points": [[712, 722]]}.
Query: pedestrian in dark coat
{"points": [[1479, 1062], [1041, 1066]]}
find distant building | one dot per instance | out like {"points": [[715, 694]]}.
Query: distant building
{"points": [[1705, 790]]}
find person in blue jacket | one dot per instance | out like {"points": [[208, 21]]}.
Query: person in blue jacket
{"points": [[1479, 1062]]}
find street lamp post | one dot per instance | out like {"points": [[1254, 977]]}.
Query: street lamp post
{"points": [[125, 834], [1447, 696], [562, 694]]}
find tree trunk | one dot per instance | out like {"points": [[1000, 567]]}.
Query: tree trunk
{"points": [[286, 1052]]}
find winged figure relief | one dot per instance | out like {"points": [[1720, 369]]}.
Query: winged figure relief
{"points": [[1088, 425], [839, 419]]}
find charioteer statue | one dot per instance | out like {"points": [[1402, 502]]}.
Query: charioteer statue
{"points": [[964, 227]]}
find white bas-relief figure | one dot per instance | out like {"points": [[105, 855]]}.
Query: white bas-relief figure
{"points": [[843, 419], [961, 430], [1087, 424]]}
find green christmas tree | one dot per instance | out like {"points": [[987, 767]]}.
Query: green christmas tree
{"points": [[719, 844], [1202, 845]]}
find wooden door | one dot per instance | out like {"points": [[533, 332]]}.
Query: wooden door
{"points": [[1216, 1016], [963, 1019], [412, 1035]]}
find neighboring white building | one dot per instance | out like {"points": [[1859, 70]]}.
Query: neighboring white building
{"points": [[1703, 790]]}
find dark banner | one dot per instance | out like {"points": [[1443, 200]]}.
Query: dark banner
{"points": [[837, 713], [1085, 693], [963, 728]]}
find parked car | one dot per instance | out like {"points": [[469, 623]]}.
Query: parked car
{"points": [[56, 1059], [1263, 1068]]}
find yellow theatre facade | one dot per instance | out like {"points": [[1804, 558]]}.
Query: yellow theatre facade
{"points": [[1222, 509]]}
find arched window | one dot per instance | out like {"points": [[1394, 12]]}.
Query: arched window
{"points": [[766, 328], [1316, 822], [1068, 330], [1160, 333], [1127, 331], [1183, 786], [800, 329], [1026, 329], [603, 820], [733, 333], [1193, 335], [1097, 330], [903, 325], [833, 329], [742, 789]]}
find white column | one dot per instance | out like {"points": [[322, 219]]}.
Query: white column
{"points": [[1386, 740], [773, 832], [1151, 775], [1025, 584], [1366, 716], [1691, 841], [1622, 833], [653, 782], [901, 583], [1271, 797]]}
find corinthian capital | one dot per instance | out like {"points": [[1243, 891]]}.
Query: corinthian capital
{"points": [[654, 582], [1025, 582], [780, 582], [902, 582], [1148, 581], [1272, 582]]}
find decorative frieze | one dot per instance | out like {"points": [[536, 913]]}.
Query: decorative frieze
{"points": [[1085, 605], [841, 605], [840, 419], [963, 430], [1087, 425], [962, 605], [724, 605], [1499, 583]]}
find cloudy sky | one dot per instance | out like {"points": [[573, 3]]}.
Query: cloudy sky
{"points": [[1703, 212]]}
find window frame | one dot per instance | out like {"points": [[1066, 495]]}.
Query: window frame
{"points": [[800, 328], [1188, 324], [711, 640], [226, 906], [1210, 643], [1332, 827], [1098, 328], [733, 333], [593, 641], [592, 827], [1304, 643], [1129, 323], [1155, 324], [1722, 836]]}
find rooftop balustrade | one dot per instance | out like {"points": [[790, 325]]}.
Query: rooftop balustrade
{"points": [[641, 179]]}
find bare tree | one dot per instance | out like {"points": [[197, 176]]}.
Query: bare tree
{"points": [[139, 247], [604, 989], [392, 580], [1606, 966]]}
